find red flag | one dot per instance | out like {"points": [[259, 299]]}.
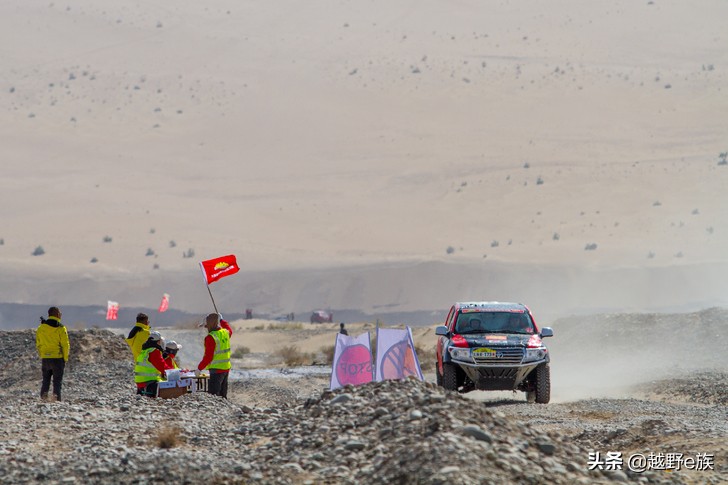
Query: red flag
{"points": [[217, 268], [165, 303], [112, 310]]}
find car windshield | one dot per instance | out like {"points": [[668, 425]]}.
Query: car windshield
{"points": [[494, 322]]}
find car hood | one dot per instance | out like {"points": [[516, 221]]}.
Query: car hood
{"points": [[496, 339]]}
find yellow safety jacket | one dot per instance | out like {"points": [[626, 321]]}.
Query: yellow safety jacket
{"points": [[144, 371], [51, 340], [136, 342], [221, 359]]}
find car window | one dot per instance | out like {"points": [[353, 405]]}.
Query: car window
{"points": [[449, 319], [494, 322]]}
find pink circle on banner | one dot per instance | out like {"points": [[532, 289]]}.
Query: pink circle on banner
{"points": [[399, 362], [354, 366]]}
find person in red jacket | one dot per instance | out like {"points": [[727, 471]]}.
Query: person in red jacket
{"points": [[170, 355], [217, 353], [149, 369]]}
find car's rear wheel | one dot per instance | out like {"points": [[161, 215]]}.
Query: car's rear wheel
{"points": [[543, 384], [449, 376]]}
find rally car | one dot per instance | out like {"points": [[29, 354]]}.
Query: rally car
{"points": [[493, 346], [322, 316]]}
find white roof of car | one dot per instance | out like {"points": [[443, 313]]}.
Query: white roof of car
{"points": [[492, 305]]}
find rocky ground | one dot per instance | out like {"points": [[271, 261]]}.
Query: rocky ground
{"points": [[291, 431]]}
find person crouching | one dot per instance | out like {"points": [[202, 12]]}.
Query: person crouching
{"points": [[149, 368], [170, 355]]}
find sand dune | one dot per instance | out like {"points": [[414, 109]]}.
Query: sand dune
{"points": [[355, 156]]}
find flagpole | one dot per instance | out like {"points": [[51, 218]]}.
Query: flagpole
{"points": [[211, 298], [376, 357], [204, 277]]}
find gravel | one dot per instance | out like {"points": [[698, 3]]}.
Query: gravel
{"points": [[388, 432]]}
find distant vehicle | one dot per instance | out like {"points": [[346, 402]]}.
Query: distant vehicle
{"points": [[322, 316], [493, 346]]}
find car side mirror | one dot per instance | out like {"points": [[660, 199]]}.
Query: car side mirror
{"points": [[547, 332], [441, 330]]}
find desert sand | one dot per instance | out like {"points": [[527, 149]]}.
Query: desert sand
{"points": [[379, 156]]}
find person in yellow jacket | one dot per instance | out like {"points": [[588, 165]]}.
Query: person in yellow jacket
{"points": [[51, 340], [149, 369], [139, 334]]}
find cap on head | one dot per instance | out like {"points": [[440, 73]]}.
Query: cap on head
{"points": [[172, 345]]}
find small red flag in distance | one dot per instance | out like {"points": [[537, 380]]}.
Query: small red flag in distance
{"points": [[112, 310], [165, 303], [214, 269]]}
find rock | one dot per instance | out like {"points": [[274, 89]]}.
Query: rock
{"points": [[476, 432]]}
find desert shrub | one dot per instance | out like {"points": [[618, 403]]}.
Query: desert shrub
{"points": [[556, 236], [426, 357], [286, 326], [150, 252], [494, 244], [240, 352], [39, 251], [656, 203], [590, 247], [526, 165], [94, 260], [2, 241], [152, 231], [450, 250], [539, 181], [107, 239], [190, 253], [328, 353], [168, 437], [172, 244], [292, 355], [259, 327], [650, 255], [723, 158], [156, 266]]}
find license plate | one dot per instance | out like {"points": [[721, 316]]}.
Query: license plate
{"points": [[485, 353]]}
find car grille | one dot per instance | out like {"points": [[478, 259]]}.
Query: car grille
{"points": [[503, 355]]}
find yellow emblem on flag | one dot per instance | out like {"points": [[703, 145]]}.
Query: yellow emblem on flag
{"points": [[221, 265]]}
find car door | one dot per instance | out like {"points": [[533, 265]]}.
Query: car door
{"points": [[442, 341]]}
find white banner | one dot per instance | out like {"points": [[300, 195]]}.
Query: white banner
{"points": [[352, 361], [396, 356]]}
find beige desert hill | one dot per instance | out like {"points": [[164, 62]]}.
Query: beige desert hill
{"points": [[380, 155]]}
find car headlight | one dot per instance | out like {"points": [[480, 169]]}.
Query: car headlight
{"points": [[535, 354], [460, 354]]}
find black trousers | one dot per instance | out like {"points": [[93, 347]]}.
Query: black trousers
{"points": [[150, 390], [218, 384], [52, 368]]}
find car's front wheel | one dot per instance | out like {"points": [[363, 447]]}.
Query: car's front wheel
{"points": [[449, 376], [543, 384]]}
